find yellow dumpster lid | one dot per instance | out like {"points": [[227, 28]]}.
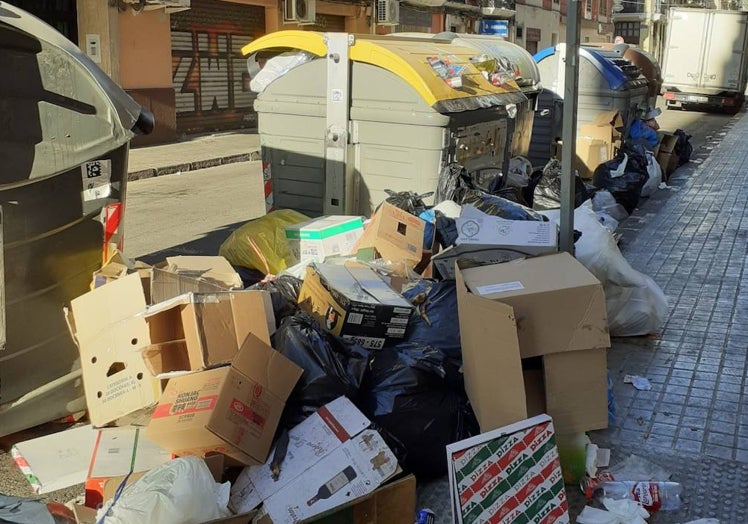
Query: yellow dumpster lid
{"points": [[409, 59]]}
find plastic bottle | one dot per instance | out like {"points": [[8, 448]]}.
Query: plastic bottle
{"points": [[572, 450], [654, 496]]}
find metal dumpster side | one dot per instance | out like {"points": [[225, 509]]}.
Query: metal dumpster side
{"points": [[64, 150], [403, 122]]}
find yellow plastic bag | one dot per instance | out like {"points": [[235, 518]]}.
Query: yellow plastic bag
{"points": [[261, 243]]}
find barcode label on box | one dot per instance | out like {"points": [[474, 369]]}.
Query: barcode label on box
{"points": [[399, 320], [367, 342], [500, 288], [355, 318], [395, 331]]}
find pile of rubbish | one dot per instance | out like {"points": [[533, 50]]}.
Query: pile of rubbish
{"points": [[320, 364]]}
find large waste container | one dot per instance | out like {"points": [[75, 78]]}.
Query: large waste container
{"points": [[368, 114], [607, 81], [63, 146], [514, 58], [647, 64]]}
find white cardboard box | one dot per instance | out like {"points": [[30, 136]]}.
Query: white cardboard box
{"points": [[331, 454]]}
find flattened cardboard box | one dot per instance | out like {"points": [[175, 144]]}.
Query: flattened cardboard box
{"points": [[396, 235], [332, 459], [354, 303], [608, 127], [198, 331], [318, 238], [231, 410], [511, 475], [558, 304], [192, 274], [109, 327]]}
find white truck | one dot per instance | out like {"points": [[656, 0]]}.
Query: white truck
{"points": [[704, 60]]}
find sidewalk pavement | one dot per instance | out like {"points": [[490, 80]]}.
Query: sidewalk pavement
{"points": [[693, 241], [198, 152]]}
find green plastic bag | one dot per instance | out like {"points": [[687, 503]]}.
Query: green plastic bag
{"points": [[261, 243]]}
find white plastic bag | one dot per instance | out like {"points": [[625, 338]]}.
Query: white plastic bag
{"points": [[616, 512], [654, 172], [277, 67], [519, 173], [635, 303], [181, 491], [610, 223], [605, 202]]}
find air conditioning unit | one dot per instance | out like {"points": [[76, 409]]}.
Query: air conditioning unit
{"points": [[388, 12], [303, 12]]}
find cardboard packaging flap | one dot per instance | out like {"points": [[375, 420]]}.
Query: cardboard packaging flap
{"points": [[491, 358], [196, 331], [215, 268], [360, 284], [395, 234], [559, 305], [612, 118], [109, 329], [267, 367], [192, 274]]}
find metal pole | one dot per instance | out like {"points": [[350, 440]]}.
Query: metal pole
{"points": [[569, 130]]}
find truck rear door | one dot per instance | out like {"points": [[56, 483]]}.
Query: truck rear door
{"points": [[723, 58]]}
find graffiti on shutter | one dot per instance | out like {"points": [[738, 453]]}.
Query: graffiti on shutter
{"points": [[209, 73]]}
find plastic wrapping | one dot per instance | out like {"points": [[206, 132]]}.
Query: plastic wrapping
{"points": [[547, 193], [519, 173], [261, 243], [332, 367], [276, 67], [408, 201], [495, 205], [635, 303], [603, 201], [625, 187], [18, 510], [406, 393], [181, 491]]}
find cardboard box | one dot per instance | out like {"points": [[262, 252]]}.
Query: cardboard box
{"points": [[354, 303], [393, 503], [332, 459], [485, 240], [511, 474], [558, 304], [591, 152], [192, 274], [231, 410], [570, 380], [197, 331], [395, 235], [118, 451], [108, 326], [608, 127], [55, 461], [665, 153], [318, 238]]}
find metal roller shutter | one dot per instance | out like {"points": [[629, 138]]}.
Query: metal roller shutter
{"points": [[210, 76], [414, 19]]}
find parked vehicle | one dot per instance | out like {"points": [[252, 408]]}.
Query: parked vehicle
{"points": [[704, 62], [64, 148]]}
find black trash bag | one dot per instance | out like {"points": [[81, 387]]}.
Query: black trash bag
{"points": [[407, 395], [250, 277], [547, 192], [446, 230], [626, 188], [683, 147], [496, 205], [408, 201], [332, 366], [452, 177], [433, 323], [528, 192], [284, 293]]}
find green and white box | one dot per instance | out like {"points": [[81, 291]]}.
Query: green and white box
{"points": [[511, 475], [319, 238]]}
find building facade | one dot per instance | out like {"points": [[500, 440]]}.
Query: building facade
{"points": [[182, 58]]}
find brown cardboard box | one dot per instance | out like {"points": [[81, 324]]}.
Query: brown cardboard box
{"points": [[198, 331], [665, 153], [591, 152], [608, 127], [395, 234], [231, 410], [354, 303], [569, 381], [192, 274], [108, 326], [559, 305]]}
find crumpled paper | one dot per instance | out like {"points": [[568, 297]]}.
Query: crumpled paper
{"points": [[618, 512]]}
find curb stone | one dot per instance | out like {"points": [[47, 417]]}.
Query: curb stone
{"points": [[152, 172]]}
